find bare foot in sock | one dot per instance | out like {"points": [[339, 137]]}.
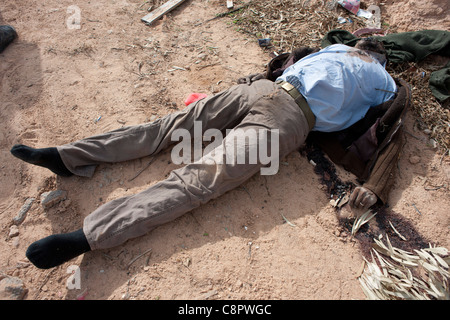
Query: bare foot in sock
{"points": [[56, 249], [46, 157]]}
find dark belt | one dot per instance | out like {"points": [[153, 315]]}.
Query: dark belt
{"points": [[300, 100]]}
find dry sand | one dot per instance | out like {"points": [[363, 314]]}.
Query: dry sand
{"points": [[60, 84]]}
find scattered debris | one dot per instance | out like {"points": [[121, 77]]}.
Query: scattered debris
{"points": [[398, 233], [97, 119], [43, 286], [375, 20], [82, 295], [220, 15], [162, 10], [187, 262], [139, 256], [414, 205], [395, 274], [364, 13], [354, 7], [342, 199], [350, 5], [287, 221], [208, 65], [249, 256], [176, 68], [344, 20], [20, 217], [49, 199], [264, 42]]}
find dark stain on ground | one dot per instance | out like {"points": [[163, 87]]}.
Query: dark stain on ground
{"points": [[335, 187]]}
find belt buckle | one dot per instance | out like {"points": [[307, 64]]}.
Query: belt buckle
{"points": [[287, 86]]}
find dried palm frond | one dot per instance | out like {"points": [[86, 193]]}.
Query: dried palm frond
{"points": [[398, 233], [397, 274], [363, 219]]}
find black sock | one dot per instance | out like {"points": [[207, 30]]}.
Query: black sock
{"points": [[46, 157], [56, 249], [7, 35]]}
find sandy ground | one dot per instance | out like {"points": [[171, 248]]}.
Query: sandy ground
{"points": [[59, 84]]}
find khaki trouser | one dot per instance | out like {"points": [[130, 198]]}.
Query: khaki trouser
{"points": [[261, 106]]}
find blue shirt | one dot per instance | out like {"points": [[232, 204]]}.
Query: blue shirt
{"points": [[340, 84]]}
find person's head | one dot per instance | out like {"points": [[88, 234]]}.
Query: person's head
{"points": [[373, 47]]}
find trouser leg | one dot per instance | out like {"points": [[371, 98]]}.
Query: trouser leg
{"points": [[214, 174], [220, 111]]}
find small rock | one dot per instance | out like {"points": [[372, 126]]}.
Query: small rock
{"points": [[12, 288], [16, 242], [13, 231], [49, 199], [414, 159], [187, 262], [23, 211]]}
